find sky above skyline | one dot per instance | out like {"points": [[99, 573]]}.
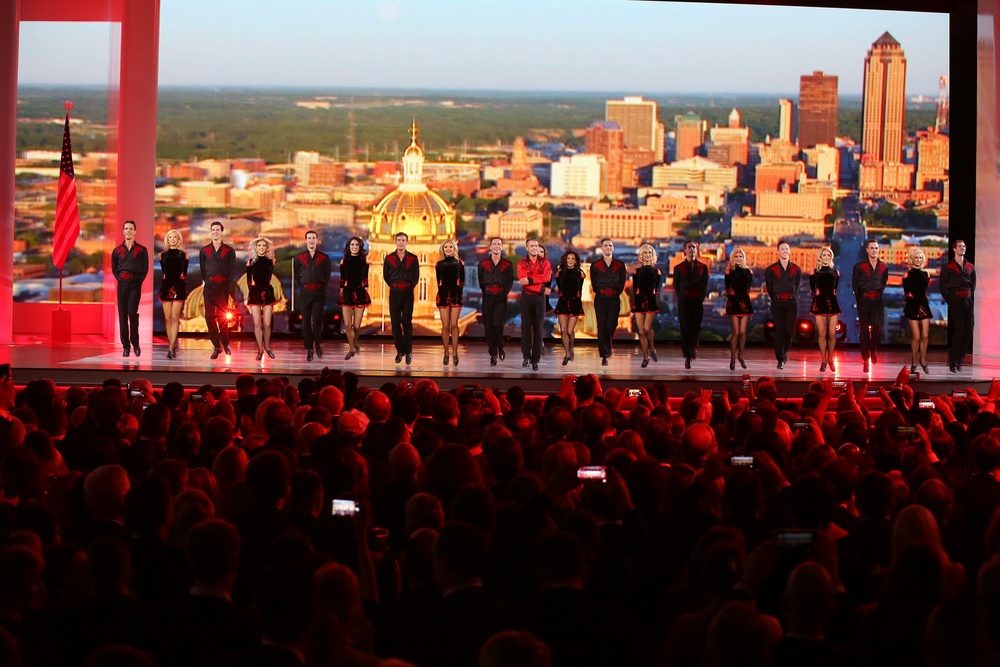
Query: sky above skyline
{"points": [[553, 45]]}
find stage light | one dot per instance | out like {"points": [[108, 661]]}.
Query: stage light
{"points": [[332, 321], [805, 331], [294, 321], [841, 331]]}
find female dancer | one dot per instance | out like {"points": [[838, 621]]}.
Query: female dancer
{"points": [[646, 283], [569, 308], [260, 292], [823, 285], [916, 309], [354, 296], [173, 286], [738, 306], [451, 281]]}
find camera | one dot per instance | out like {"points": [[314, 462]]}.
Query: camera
{"points": [[741, 461], [340, 507], [926, 404], [839, 385], [196, 398], [633, 393], [870, 391], [717, 395], [746, 383], [906, 431], [801, 426], [134, 391], [592, 474], [795, 539], [959, 393]]}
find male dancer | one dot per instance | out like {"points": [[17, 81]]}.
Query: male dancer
{"points": [[218, 268], [401, 272], [607, 279], [534, 274], [129, 264], [312, 273], [958, 285], [782, 280], [868, 279], [691, 285], [496, 276]]}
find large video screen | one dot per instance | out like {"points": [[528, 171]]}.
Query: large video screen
{"points": [[645, 122]]}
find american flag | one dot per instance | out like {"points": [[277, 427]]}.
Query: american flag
{"points": [[67, 227]]}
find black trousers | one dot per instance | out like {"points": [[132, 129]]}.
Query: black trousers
{"points": [[606, 310], [129, 293], [494, 317], [689, 314], [784, 314], [313, 302], [532, 318], [870, 323], [401, 318], [963, 317], [216, 306]]}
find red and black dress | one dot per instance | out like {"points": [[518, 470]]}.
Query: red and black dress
{"points": [[570, 284], [451, 282], [738, 281], [354, 282], [646, 283], [260, 292], [916, 306], [173, 281], [823, 287]]}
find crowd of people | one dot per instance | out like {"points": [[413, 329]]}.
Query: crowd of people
{"points": [[330, 523]]}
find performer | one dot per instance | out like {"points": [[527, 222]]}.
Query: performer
{"points": [[607, 279], [782, 280], [869, 279], [129, 264], [534, 275], [569, 308], [739, 278], [958, 285], [691, 285], [311, 271], [218, 269], [823, 287], [496, 276], [450, 272], [173, 286], [917, 309], [646, 282], [401, 272], [260, 292], [544, 254], [354, 297]]}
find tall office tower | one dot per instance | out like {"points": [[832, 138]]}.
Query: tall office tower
{"points": [[690, 135], [785, 119], [817, 109], [608, 139], [639, 120], [884, 101]]}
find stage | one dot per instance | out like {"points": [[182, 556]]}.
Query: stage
{"points": [[88, 361]]}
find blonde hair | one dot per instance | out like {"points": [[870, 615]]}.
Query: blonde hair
{"points": [[645, 246], [732, 257], [913, 254], [819, 262], [253, 249], [166, 236], [443, 244]]}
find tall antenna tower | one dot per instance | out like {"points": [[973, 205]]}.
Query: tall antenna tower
{"points": [[942, 105]]}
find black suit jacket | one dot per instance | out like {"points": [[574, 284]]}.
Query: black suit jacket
{"points": [[199, 628], [451, 634]]}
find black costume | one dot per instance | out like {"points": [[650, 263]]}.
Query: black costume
{"points": [[958, 285], [401, 276], [260, 292], [783, 287], [129, 268], [916, 306], [646, 283], [691, 285], [823, 287], [495, 279], [218, 269], [539, 275], [570, 284], [450, 273], [173, 280], [869, 283], [738, 282], [354, 282], [608, 283], [312, 274]]}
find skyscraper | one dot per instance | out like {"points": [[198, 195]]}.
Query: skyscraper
{"points": [[785, 119], [817, 109], [639, 119], [690, 136], [884, 101], [607, 138]]}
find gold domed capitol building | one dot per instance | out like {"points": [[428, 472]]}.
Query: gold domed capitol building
{"points": [[428, 220]]}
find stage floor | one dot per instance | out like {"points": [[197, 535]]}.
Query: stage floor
{"points": [[90, 361]]}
